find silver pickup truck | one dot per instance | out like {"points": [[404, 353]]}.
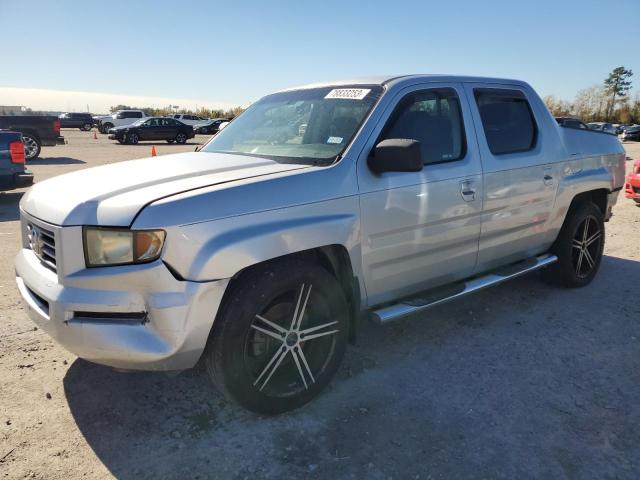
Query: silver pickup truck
{"points": [[317, 207]]}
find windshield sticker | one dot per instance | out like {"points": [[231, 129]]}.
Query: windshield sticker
{"points": [[334, 140], [348, 93]]}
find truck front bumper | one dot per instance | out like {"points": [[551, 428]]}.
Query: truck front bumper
{"points": [[137, 317]]}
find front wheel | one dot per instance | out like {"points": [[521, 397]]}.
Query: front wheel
{"points": [[133, 138], [181, 138], [279, 337], [579, 248]]}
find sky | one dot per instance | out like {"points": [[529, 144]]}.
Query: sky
{"points": [[65, 55]]}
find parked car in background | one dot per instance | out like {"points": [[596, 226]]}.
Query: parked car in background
{"points": [[209, 127], [632, 183], [37, 131], [223, 125], [119, 119], [261, 253], [154, 128], [83, 121], [12, 158], [602, 127], [630, 134], [189, 119], [571, 122]]}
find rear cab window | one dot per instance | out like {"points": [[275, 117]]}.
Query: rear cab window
{"points": [[507, 119]]}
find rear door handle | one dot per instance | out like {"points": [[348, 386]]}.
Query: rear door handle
{"points": [[548, 177], [467, 191]]}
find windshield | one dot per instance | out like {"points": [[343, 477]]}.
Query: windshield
{"points": [[311, 126], [137, 123]]}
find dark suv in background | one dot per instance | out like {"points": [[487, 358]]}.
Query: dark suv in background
{"points": [[83, 121], [571, 122], [630, 133]]}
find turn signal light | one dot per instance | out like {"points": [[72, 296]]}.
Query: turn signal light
{"points": [[16, 151]]}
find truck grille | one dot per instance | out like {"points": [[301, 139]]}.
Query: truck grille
{"points": [[43, 244]]}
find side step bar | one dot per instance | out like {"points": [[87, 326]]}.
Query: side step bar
{"points": [[438, 296]]}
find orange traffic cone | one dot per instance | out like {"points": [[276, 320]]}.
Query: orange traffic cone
{"points": [[153, 151], [95, 137]]}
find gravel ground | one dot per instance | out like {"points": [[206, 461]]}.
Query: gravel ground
{"points": [[519, 381]]}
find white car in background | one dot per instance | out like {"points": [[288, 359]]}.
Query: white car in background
{"points": [[192, 120], [120, 119], [602, 127]]}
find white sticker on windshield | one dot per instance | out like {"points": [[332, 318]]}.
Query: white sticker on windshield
{"points": [[348, 93], [334, 140]]}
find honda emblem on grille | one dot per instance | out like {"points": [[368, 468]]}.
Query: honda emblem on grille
{"points": [[36, 241]]}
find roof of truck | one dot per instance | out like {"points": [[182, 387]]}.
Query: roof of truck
{"points": [[395, 79]]}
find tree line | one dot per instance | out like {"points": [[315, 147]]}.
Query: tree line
{"points": [[608, 102], [169, 110]]}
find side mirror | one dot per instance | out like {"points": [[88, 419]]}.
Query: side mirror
{"points": [[396, 155]]}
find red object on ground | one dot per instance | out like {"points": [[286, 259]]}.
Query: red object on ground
{"points": [[95, 137], [632, 183], [153, 151]]}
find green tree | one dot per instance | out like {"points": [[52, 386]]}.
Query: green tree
{"points": [[617, 84]]}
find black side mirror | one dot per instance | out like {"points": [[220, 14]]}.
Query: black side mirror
{"points": [[396, 155]]}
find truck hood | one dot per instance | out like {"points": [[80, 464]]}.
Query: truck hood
{"points": [[112, 195]]}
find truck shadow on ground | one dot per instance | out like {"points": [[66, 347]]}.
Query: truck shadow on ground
{"points": [[520, 380], [55, 161], [9, 206]]}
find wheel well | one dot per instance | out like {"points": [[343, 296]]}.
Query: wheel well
{"points": [[335, 259], [29, 132], [597, 197]]}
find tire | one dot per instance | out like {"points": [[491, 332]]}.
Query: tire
{"points": [[267, 366], [106, 127], [181, 138], [32, 146], [170, 140], [86, 127], [584, 226], [132, 138]]}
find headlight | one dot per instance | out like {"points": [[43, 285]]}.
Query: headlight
{"points": [[104, 246]]}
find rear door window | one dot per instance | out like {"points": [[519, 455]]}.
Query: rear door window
{"points": [[508, 122]]}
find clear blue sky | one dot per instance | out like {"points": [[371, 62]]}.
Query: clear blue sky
{"points": [[237, 51]]}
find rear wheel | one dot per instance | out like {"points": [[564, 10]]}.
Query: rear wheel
{"points": [[579, 248], [86, 127], [106, 127], [32, 146], [279, 337], [181, 138]]}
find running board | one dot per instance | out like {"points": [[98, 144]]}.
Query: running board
{"points": [[437, 296]]}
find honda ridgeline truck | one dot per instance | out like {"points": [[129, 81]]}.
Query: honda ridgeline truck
{"points": [[260, 253]]}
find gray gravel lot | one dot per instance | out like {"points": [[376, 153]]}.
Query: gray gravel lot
{"points": [[520, 381]]}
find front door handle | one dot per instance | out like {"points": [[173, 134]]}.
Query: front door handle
{"points": [[467, 191], [548, 177]]}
